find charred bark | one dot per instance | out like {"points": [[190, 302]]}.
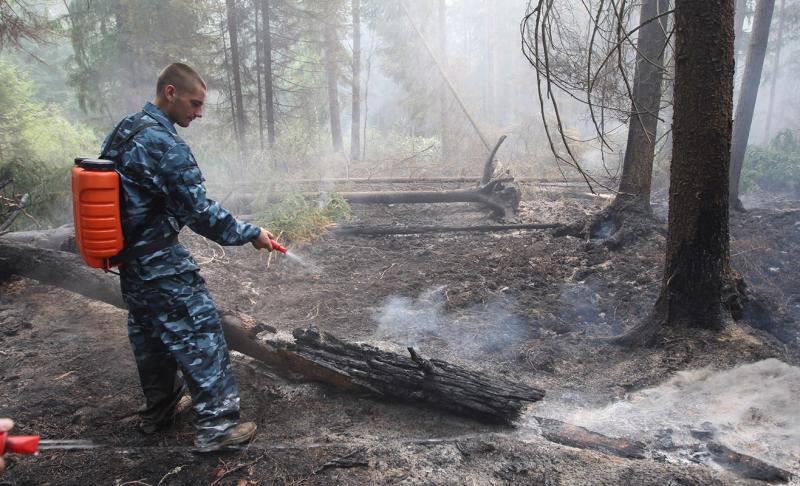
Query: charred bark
{"points": [[697, 274], [748, 94], [313, 355]]}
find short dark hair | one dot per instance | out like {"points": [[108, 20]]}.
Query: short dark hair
{"points": [[179, 75]]}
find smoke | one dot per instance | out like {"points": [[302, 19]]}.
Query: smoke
{"points": [[468, 333], [752, 409]]}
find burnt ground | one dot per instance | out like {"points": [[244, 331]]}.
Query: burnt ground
{"points": [[527, 305]]}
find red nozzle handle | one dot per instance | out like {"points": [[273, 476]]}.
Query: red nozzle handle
{"points": [[278, 246], [18, 444]]}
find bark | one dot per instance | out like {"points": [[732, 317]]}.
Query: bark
{"points": [[637, 169], [697, 257], [332, 77], [355, 126], [269, 90], [313, 355], [233, 33], [748, 94]]}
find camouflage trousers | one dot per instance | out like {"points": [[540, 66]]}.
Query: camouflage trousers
{"points": [[174, 329]]}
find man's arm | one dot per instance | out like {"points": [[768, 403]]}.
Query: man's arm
{"points": [[187, 202]]}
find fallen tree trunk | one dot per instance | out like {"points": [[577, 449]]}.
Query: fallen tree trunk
{"points": [[415, 230], [316, 356], [503, 200]]}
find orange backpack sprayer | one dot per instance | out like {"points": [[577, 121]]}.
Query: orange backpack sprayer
{"points": [[96, 211], [96, 208]]}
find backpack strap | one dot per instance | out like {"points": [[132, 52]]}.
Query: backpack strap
{"points": [[111, 145], [140, 251]]}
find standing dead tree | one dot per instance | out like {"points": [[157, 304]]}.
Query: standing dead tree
{"points": [[748, 93], [605, 87]]}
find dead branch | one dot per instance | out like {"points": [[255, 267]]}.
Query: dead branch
{"points": [[414, 230]]}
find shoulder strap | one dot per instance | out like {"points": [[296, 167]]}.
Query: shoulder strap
{"points": [[111, 145]]}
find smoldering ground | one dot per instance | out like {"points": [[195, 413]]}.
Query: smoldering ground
{"points": [[751, 409]]}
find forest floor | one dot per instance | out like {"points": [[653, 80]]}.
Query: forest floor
{"points": [[526, 305]]}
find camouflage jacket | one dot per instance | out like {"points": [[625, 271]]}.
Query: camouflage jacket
{"points": [[162, 191]]}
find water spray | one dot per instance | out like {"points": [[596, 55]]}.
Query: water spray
{"points": [[31, 444], [277, 246]]}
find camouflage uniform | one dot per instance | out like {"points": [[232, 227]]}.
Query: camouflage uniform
{"points": [[173, 323]]}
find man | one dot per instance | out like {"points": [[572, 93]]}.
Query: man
{"points": [[173, 325]]}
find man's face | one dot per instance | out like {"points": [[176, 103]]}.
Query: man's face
{"points": [[183, 106]]}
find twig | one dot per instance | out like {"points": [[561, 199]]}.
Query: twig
{"points": [[20, 208], [237, 468], [174, 470]]}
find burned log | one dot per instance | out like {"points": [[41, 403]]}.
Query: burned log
{"points": [[315, 356], [418, 230], [576, 436], [499, 195]]}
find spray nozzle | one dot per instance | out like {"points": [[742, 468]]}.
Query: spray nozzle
{"points": [[18, 444], [278, 246]]}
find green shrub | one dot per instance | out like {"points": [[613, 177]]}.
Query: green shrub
{"points": [[37, 146], [300, 220], [775, 167]]}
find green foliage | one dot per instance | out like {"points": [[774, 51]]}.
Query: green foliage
{"points": [[37, 145], [775, 167], [300, 220]]}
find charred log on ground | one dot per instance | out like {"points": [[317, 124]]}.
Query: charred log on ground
{"points": [[312, 355]]}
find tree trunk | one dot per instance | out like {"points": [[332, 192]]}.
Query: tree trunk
{"points": [[444, 95], [748, 95], [269, 91], [259, 75], [314, 355], [637, 169], [741, 13], [775, 73], [697, 257], [355, 126], [233, 33], [332, 76]]}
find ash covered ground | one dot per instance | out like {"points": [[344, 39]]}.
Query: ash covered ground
{"points": [[526, 305]]}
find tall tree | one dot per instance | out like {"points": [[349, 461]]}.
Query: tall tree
{"points": [[637, 168], [776, 69], [697, 267], [444, 94], [236, 66], [355, 126], [748, 93], [269, 92], [331, 47]]}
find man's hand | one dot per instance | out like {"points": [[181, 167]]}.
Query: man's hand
{"points": [[5, 426], [262, 242]]}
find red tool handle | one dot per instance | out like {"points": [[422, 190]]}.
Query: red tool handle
{"points": [[18, 444], [278, 246]]}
